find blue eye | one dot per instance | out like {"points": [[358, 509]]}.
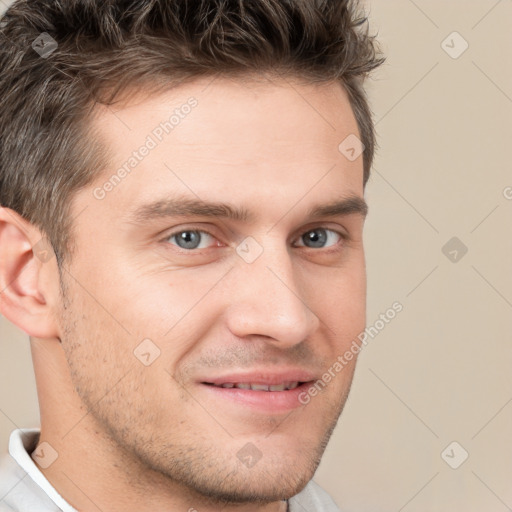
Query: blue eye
{"points": [[190, 239], [193, 239], [317, 238]]}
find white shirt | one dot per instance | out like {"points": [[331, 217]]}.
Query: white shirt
{"points": [[23, 488]]}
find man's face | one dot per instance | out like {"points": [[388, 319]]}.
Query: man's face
{"points": [[164, 307]]}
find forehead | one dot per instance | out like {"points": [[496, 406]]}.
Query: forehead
{"points": [[225, 138]]}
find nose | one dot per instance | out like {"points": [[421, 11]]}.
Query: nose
{"points": [[266, 300]]}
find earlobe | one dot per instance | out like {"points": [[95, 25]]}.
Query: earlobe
{"points": [[23, 298]]}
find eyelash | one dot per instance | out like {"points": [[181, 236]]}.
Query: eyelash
{"points": [[333, 248]]}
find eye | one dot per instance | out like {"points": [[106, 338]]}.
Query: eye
{"points": [[190, 239], [194, 239], [320, 238]]}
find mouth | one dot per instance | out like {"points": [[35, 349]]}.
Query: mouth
{"points": [[254, 386], [260, 392]]}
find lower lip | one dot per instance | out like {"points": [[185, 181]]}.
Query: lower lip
{"points": [[266, 401]]}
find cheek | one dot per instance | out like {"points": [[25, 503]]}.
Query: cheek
{"points": [[97, 341], [340, 299], [155, 299]]}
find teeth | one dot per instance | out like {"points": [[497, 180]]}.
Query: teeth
{"points": [[260, 387], [277, 387]]}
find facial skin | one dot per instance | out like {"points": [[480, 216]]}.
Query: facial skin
{"points": [[137, 437]]}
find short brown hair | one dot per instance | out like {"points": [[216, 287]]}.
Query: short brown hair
{"points": [[102, 48]]}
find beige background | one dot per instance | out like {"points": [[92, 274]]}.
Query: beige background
{"points": [[440, 371]]}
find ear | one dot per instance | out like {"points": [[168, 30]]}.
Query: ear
{"points": [[28, 276]]}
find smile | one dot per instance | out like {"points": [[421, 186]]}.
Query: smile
{"points": [[285, 386]]}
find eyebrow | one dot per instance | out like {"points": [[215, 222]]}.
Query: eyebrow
{"points": [[188, 207]]}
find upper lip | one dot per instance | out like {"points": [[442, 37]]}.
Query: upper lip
{"points": [[264, 376]]}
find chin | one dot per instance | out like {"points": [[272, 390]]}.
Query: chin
{"points": [[266, 485], [216, 475]]}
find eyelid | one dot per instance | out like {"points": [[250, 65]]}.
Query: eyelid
{"points": [[323, 225]]}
